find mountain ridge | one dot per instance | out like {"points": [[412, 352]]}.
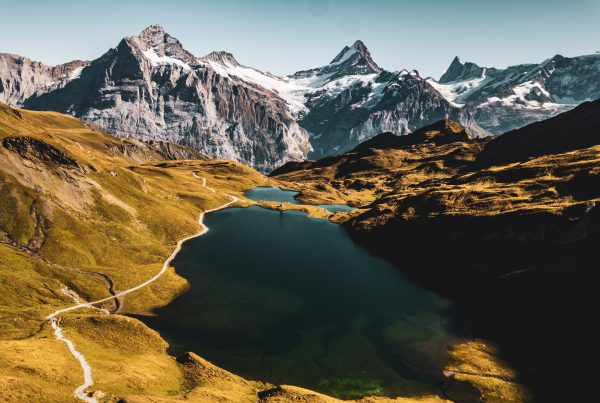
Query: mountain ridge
{"points": [[150, 87], [506, 99], [501, 226]]}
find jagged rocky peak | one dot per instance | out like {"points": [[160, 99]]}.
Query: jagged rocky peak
{"points": [[222, 57], [154, 42], [357, 56], [352, 60], [461, 71]]}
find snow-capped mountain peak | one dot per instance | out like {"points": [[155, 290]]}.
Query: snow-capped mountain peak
{"points": [[506, 99], [153, 34], [351, 60], [358, 48], [356, 59], [160, 47], [461, 71], [222, 57], [150, 87]]}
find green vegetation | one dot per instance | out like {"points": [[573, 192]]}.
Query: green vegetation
{"points": [[351, 387]]}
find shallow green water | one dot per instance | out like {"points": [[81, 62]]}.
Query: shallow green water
{"points": [[285, 298]]}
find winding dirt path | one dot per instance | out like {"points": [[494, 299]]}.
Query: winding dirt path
{"points": [[81, 391]]}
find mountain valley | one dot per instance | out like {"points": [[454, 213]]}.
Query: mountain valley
{"points": [[176, 227]]}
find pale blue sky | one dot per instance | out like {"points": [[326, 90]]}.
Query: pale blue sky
{"points": [[283, 36]]}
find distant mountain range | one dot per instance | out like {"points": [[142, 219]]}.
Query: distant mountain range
{"points": [[150, 87], [505, 99]]}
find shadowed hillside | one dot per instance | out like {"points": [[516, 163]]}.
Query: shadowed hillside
{"points": [[507, 228]]}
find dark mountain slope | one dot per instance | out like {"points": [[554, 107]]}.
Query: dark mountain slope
{"points": [[573, 130]]}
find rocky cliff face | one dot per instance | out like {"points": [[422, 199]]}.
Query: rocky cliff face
{"points": [[149, 87], [21, 78], [506, 99]]}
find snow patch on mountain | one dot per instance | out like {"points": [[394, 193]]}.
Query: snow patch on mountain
{"points": [[521, 97], [290, 91], [456, 92], [76, 73], [157, 60]]}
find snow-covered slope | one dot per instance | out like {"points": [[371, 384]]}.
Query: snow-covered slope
{"points": [[352, 99], [505, 99]]}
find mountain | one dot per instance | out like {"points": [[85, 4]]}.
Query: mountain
{"points": [[150, 87], [352, 99], [504, 99], [507, 227]]}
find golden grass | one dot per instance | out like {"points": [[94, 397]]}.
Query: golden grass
{"points": [[437, 181], [477, 362]]}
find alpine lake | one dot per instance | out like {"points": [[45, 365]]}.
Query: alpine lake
{"points": [[288, 299]]}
